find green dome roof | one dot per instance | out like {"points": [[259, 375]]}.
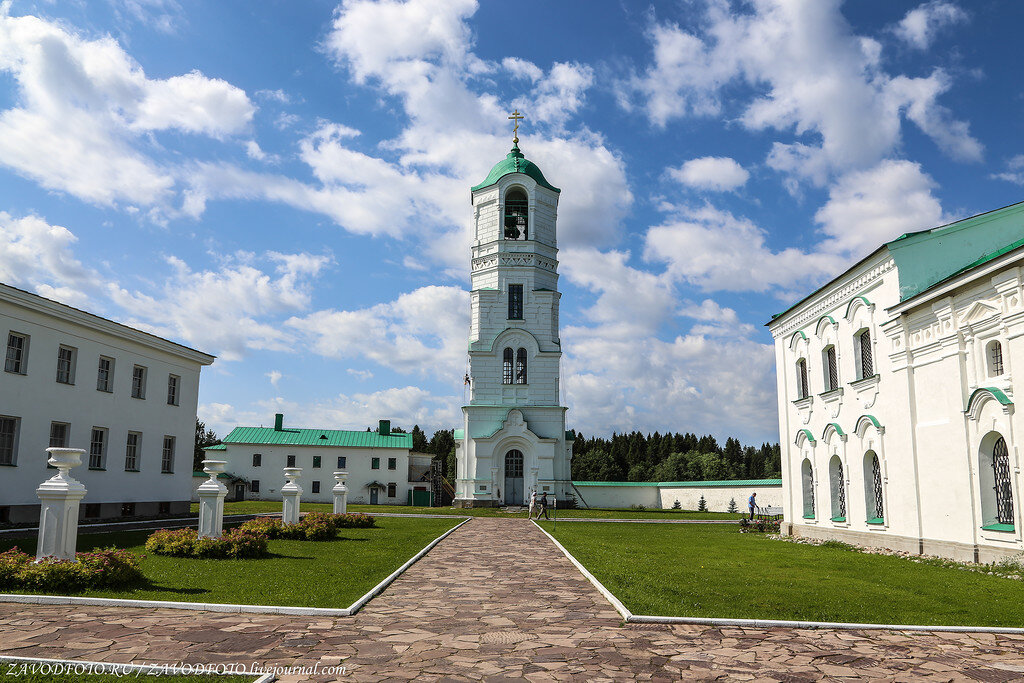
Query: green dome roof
{"points": [[515, 162]]}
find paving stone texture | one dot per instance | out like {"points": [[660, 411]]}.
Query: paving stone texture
{"points": [[497, 601]]}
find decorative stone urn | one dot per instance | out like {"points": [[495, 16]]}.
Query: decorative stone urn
{"points": [[60, 496], [291, 493], [211, 500], [340, 492]]}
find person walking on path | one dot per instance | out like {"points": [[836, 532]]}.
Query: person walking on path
{"points": [[752, 504], [543, 506], [533, 503]]}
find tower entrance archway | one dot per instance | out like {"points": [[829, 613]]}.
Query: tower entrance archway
{"points": [[514, 477]]}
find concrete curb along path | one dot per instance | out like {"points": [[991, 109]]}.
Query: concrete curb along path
{"points": [[631, 618], [245, 609]]}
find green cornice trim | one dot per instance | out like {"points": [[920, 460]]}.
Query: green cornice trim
{"points": [[874, 421], [997, 393], [839, 430], [807, 433], [864, 299]]}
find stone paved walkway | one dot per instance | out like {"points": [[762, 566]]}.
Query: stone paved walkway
{"points": [[496, 600]]}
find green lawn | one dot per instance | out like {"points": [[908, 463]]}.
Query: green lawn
{"points": [[298, 573], [255, 506], [714, 571]]}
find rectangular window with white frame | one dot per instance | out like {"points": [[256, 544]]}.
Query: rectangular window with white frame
{"points": [[17, 353], [66, 357], [9, 440], [139, 382], [98, 448], [167, 457], [105, 375], [131, 451], [59, 434], [173, 384]]}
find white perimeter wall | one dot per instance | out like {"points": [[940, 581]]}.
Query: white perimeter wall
{"points": [[655, 495]]}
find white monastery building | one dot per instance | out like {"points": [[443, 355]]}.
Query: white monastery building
{"points": [[513, 438], [378, 463], [897, 397], [128, 398]]}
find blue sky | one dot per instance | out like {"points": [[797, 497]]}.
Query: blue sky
{"points": [[286, 185]]}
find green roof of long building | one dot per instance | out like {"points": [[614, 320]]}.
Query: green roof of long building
{"points": [[685, 484], [318, 437]]}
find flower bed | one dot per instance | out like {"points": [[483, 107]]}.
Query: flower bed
{"points": [[313, 526], [760, 526], [107, 568], [235, 544]]}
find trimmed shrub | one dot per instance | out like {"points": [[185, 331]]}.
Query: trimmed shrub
{"points": [[677, 505], [732, 505], [702, 505], [313, 526], [106, 568], [234, 544]]}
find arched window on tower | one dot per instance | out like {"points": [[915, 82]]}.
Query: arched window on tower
{"points": [[864, 359], [802, 390], [521, 366], [517, 209], [506, 366]]}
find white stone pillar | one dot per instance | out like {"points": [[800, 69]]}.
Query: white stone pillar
{"points": [[291, 492], [340, 492], [211, 501], [59, 498]]}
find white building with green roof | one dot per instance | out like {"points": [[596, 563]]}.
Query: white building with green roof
{"points": [[896, 394], [377, 462], [512, 439]]}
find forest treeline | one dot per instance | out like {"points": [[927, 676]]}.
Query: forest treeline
{"points": [[642, 457]]}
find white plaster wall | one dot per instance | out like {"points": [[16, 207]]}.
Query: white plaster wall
{"points": [[37, 400], [619, 496], [718, 497], [358, 465]]}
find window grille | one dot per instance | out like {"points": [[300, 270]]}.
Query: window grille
{"points": [[317, 460], [138, 382], [876, 480], [257, 459], [97, 448], [808, 486], [801, 379], [341, 461], [392, 490], [290, 461], [172, 390], [58, 434], [103, 374], [867, 367], [316, 487], [392, 463], [517, 211], [374, 463], [1003, 488], [521, 366], [832, 380], [506, 367], [15, 361], [515, 302], [995, 354], [167, 457], [65, 356], [514, 464], [131, 453], [8, 432], [254, 485], [840, 492]]}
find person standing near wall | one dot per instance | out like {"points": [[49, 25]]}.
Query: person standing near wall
{"points": [[752, 503]]}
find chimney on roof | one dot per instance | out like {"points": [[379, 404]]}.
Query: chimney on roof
{"points": [[278, 422], [384, 429]]}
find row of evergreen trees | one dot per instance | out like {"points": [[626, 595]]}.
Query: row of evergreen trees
{"points": [[671, 457], [639, 457]]}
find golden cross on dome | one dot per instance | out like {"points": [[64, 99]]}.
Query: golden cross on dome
{"points": [[517, 117]]}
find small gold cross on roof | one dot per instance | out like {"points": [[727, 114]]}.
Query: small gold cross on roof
{"points": [[517, 117]]}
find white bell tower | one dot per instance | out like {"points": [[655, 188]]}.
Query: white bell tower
{"points": [[513, 438]]}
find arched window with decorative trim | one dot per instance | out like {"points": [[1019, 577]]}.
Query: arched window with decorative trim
{"points": [[994, 355], [873, 498], [807, 478], [865, 358], [830, 368], [802, 390], [521, 366], [506, 366], [838, 489], [517, 215]]}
